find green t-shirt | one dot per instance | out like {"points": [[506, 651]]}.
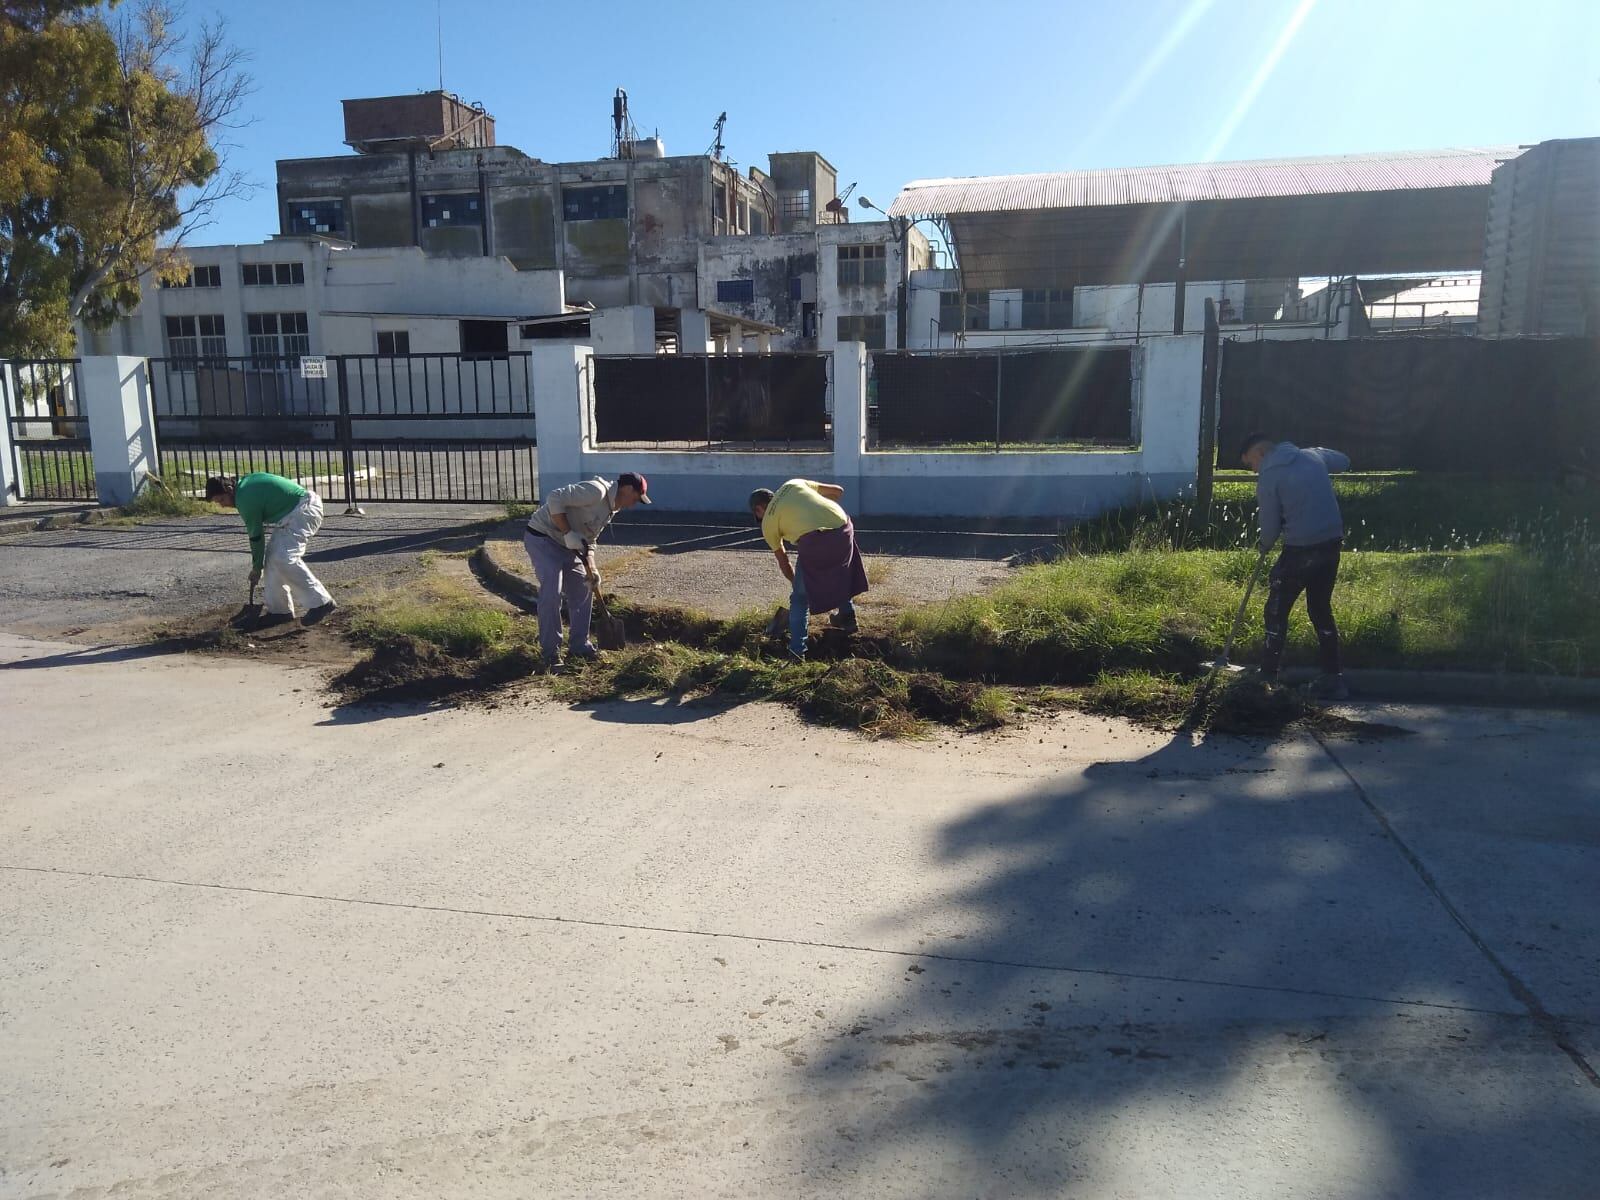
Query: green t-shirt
{"points": [[263, 500]]}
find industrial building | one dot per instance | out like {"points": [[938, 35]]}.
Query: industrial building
{"points": [[1395, 241]]}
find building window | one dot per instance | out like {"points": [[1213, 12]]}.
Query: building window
{"points": [[1047, 308], [315, 216], [861, 265], [394, 343], [484, 339], [606, 203], [274, 274], [193, 339], [795, 206], [736, 291], [794, 287], [198, 277], [870, 330], [950, 311], [452, 208], [277, 339]]}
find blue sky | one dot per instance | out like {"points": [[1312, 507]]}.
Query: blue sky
{"points": [[892, 92]]}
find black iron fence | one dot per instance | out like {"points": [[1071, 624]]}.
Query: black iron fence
{"points": [[718, 402], [49, 430], [354, 428]]}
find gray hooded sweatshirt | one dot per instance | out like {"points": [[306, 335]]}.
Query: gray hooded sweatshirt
{"points": [[1296, 497]]}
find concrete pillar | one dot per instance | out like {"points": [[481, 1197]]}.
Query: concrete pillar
{"points": [[763, 343], [849, 419], [627, 330], [695, 331], [1168, 420], [10, 481], [122, 428], [563, 391]]}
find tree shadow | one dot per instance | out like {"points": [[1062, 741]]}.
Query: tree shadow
{"points": [[1208, 963]]}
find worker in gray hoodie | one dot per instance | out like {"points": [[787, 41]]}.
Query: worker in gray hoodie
{"points": [[1295, 498]]}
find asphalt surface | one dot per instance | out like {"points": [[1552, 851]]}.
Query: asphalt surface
{"points": [[647, 949], [68, 582]]}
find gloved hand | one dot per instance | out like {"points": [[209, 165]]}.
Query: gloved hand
{"points": [[573, 540], [255, 576]]}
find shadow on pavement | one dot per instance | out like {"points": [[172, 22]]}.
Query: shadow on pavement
{"points": [[1206, 961], [96, 655]]}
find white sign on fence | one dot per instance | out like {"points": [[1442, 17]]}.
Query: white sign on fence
{"points": [[313, 366]]}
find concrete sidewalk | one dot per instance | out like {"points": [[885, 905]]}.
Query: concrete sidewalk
{"points": [[648, 949], [721, 565]]}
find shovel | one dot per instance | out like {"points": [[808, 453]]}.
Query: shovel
{"points": [[1223, 663], [609, 631]]}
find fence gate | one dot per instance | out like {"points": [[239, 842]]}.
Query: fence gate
{"points": [[49, 431], [428, 428]]}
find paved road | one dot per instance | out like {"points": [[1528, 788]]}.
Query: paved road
{"points": [[254, 947], [64, 581]]}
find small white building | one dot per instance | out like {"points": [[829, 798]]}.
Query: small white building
{"points": [[314, 295]]}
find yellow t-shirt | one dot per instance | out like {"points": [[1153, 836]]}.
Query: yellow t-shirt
{"points": [[797, 509]]}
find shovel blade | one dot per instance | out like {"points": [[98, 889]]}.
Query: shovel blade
{"points": [[610, 633]]}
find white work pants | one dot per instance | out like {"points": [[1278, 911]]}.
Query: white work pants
{"points": [[290, 587]]}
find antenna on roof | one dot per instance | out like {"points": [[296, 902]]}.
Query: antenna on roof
{"points": [[438, 24], [716, 146]]}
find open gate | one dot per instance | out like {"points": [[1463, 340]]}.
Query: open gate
{"points": [[418, 428]]}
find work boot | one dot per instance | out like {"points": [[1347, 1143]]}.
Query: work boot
{"points": [[272, 620], [588, 652], [1328, 687], [798, 656], [840, 622], [319, 614]]}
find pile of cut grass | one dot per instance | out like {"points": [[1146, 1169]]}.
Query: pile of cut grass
{"points": [[860, 694], [157, 499]]}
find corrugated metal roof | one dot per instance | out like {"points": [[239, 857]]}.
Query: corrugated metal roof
{"points": [[1337, 174]]}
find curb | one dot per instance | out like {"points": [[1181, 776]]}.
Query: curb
{"points": [[497, 579], [1463, 687], [94, 516], [1376, 685]]}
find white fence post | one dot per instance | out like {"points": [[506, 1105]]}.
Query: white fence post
{"points": [[563, 386], [122, 432], [10, 479], [849, 419]]}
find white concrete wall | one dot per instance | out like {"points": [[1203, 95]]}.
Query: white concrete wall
{"points": [[991, 485], [380, 283], [627, 330]]}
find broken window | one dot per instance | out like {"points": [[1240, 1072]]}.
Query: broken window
{"points": [[315, 216], [273, 274], [795, 206], [277, 339], [484, 339], [871, 330], [452, 208], [394, 343], [736, 291], [861, 265], [606, 203]]}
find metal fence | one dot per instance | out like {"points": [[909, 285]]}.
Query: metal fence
{"points": [[49, 431], [711, 402], [397, 429], [1002, 399], [1420, 403]]}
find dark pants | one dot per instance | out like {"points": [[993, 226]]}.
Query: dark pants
{"points": [[1312, 570]]}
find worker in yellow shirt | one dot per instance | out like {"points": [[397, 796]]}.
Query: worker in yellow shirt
{"points": [[830, 573]]}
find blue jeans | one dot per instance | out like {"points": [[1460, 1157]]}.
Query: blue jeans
{"points": [[799, 610]]}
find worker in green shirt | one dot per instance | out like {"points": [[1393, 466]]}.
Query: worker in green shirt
{"points": [[296, 514]]}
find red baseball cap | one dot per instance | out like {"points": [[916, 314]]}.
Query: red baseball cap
{"points": [[638, 483]]}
